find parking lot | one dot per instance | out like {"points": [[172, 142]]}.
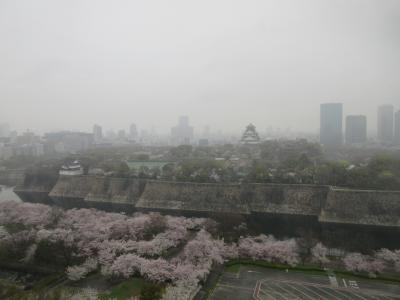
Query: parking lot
{"points": [[267, 284]]}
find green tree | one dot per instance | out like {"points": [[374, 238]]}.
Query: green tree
{"points": [[181, 152]]}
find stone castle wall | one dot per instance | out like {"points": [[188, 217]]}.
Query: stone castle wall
{"points": [[93, 191], [326, 204], [285, 199], [376, 208], [12, 177], [36, 188], [201, 197]]}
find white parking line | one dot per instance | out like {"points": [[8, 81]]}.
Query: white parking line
{"points": [[253, 272], [331, 292], [312, 291], [256, 290], [353, 284], [344, 282], [287, 291], [235, 287], [271, 293], [301, 292], [333, 280], [279, 293]]}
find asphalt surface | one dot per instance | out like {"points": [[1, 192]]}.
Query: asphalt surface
{"points": [[268, 284]]}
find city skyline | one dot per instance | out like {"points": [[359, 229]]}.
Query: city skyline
{"points": [[132, 130], [372, 130]]}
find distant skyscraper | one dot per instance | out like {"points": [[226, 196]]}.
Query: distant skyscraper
{"points": [[356, 129], [183, 121], [97, 133], [397, 128], [133, 133], [206, 132], [121, 134], [385, 124], [331, 124], [4, 130], [203, 142], [182, 133]]}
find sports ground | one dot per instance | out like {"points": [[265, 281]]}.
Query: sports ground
{"points": [[268, 284]]}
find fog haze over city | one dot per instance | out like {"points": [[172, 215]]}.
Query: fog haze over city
{"points": [[71, 64], [208, 150]]}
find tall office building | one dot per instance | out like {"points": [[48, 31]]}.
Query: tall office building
{"points": [[356, 129], [121, 135], [182, 133], [331, 124], [385, 124], [4, 130], [97, 133], [397, 128]]}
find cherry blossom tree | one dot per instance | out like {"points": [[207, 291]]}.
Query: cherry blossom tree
{"points": [[4, 235], [164, 249], [28, 214], [319, 254], [268, 248], [391, 258], [357, 262], [204, 249], [127, 265], [76, 273], [30, 253], [183, 290]]}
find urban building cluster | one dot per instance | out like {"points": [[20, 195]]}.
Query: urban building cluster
{"points": [[12, 144], [31, 144], [335, 130], [355, 132], [181, 134]]}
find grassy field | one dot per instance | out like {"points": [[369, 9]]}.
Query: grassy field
{"points": [[45, 289], [233, 268], [124, 290], [309, 269]]}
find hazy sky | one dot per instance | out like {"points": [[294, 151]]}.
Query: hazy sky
{"points": [[73, 63]]}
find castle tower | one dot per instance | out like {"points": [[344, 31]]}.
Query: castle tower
{"points": [[250, 136]]}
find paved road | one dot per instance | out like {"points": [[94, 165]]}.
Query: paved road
{"points": [[264, 284]]}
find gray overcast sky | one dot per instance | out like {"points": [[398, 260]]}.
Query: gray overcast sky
{"points": [[73, 63]]}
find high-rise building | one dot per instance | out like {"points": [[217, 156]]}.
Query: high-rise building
{"points": [[206, 132], [385, 124], [397, 128], [182, 133], [133, 132], [356, 129], [331, 124], [4, 130], [97, 133], [183, 121], [121, 134]]}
